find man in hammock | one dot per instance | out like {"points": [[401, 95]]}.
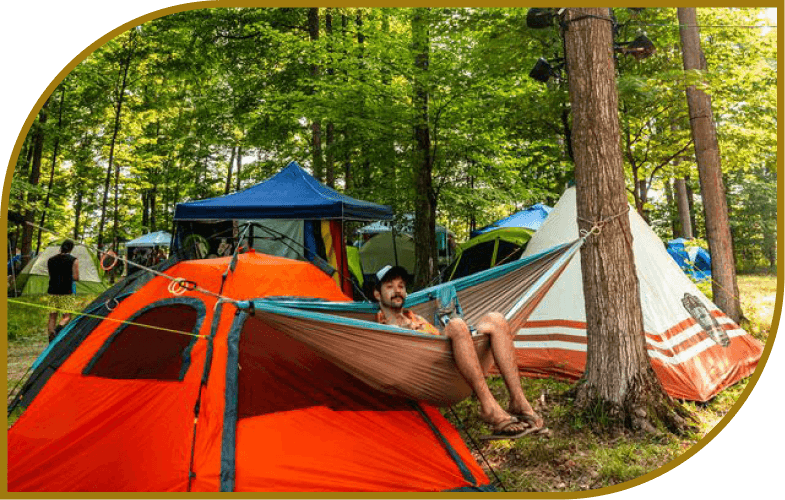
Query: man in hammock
{"points": [[520, 418]]}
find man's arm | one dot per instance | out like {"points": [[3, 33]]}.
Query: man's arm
{"points": [[76, 270]]}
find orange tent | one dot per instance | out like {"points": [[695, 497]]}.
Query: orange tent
{"points": [[184, 392]]}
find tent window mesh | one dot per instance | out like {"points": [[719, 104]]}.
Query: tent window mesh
{"points": [[155, 352]]}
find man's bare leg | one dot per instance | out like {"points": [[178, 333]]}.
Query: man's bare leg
{"points": [[50, 327], [503, 349], [469, 366]]}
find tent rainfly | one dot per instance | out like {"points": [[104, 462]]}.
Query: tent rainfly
{"points": [[529, 218], [189, 392]]}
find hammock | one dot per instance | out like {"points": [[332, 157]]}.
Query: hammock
{"points": [[405, 362]]}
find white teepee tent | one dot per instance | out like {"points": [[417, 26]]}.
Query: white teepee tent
{"points": [[694, 348]]}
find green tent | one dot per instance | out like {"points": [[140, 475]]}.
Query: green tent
{"points": [[487, 250], [34, 277]]}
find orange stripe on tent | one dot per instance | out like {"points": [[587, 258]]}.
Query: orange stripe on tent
{"points": [[575, 339], [579, 325]]}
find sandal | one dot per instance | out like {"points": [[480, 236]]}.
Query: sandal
{"points": [[509, 429], [531, 421]]}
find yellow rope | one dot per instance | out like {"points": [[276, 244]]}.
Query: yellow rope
{"points": [[79, 313]]}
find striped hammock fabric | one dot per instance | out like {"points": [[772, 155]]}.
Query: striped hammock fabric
{"points": [[408, 363]]}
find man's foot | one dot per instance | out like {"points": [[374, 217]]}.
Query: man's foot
{"points": [[530, 418], [508, 429]]}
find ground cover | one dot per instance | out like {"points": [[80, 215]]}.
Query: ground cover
{"points": [[572, 458]]}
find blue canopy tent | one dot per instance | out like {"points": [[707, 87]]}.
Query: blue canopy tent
{"points": [[156, 239], [529, 218], [291, 214], [292, 193], [144, 249]]}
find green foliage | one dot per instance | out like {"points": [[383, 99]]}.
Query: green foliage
{"points": [[207, 83]]}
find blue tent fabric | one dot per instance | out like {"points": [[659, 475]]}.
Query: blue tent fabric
{"points": [[158, 238], [694, 261], [530, 218], [292, 193]]}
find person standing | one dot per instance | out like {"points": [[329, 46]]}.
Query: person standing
{"points": [[63, 275]]}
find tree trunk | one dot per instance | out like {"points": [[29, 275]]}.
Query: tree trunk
{"points": [[329, 154], [239, 166], [707, 155], [425, 263], [316, 125], [683, 205], [229, 172], [37, 147], [55, 152], [119, 95], [618, 378]]}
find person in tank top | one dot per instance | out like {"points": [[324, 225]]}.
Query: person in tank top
{"points": [[63, 274]]}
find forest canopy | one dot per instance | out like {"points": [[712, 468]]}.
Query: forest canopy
{"points": [[206, 102]]}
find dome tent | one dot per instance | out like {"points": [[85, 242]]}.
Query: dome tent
{"points": [[34, 277], [529, 218], [487, 250], [195, 394]]}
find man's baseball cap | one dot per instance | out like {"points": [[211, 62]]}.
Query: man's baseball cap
{"points": [[389, 272]]}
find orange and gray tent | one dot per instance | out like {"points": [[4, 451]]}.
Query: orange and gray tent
{"points": [[695, 349], [275, 385]]}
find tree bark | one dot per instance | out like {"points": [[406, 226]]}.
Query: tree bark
{"points": [[316, 125], [707, 155], [228, 184], [683, 204], [119, 96], [37, 147], [55, 152], [618, 376], [425, 266]]}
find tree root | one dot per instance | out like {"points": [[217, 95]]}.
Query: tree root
{"points": [[646, 409]]}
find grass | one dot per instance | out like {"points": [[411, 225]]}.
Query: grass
{"points": [[571, 459], [27, 335]]}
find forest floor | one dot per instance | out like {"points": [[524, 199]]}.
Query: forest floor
{"points": [[572, 458]]}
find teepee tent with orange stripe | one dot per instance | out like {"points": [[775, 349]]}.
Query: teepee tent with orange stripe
{"points": [[694, 348]]}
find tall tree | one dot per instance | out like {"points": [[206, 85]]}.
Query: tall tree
{"points": [[316, 124], [618, 375], [129, 47], [425, 266], [707, 153], [39, 137]]}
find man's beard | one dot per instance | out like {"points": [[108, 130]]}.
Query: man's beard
{"points": [[390, 304]]}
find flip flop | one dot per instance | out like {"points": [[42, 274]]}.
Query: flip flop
{"points": [[504, 431], [532, 422]]}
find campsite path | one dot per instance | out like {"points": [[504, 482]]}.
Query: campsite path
{"points": [[20, 359]]}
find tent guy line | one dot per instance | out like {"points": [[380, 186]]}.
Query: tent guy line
{"points": [[80, 313]]}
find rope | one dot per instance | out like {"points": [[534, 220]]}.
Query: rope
{"points": [[79, 313], [477, 448], [597, 226]]}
